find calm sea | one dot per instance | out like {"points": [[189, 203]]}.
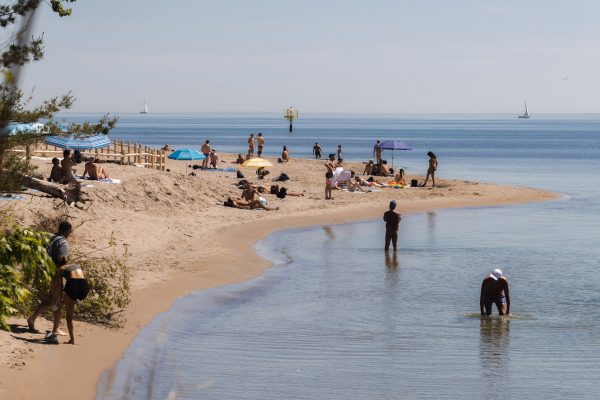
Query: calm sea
{"points": [[336, 318]]}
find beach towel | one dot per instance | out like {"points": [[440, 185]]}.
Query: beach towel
{"points": [[229, 169], [340, 176], [105, 180], [10, 197]]}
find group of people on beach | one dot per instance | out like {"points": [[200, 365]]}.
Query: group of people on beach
{"points": [[63, 171]]}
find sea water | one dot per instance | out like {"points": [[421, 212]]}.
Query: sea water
{"points": [[338, 318]]}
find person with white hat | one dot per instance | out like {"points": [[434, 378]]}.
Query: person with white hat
{"points": [[494, 290]]}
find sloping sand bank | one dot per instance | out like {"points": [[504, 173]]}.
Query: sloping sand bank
{"points": [[181, 238]]}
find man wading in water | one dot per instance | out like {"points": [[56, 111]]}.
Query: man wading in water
{"points": [[392, 222], [494, 290]]}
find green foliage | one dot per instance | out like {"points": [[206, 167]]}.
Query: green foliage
{"points": [[24, 264], [109, 280], [18, 51]]}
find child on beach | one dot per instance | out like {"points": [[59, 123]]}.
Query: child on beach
{"points": [[328, 182]]}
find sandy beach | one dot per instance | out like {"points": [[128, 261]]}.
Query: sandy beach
{"points": [[181, 238]]}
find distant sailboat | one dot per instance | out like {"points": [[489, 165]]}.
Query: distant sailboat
{"points": [[526, 115], [145, 110]]}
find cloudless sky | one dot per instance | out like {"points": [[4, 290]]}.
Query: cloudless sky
{"points": [[444, 56]]}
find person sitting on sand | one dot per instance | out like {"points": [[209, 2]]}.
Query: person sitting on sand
{"points": [[433, 164], [368, 168], [248, 205], [240, 159], [56, 172], [249, 192], [67, 164], [214, 159], [352, 184], [399, 178], [285, 155], [494, 290], [385, 170], [262, 172], [94, 171]]}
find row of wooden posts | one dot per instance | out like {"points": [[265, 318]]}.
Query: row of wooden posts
{"points": [[126, 152]]}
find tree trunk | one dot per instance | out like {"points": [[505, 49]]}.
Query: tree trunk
{"points": [[70, 193]]}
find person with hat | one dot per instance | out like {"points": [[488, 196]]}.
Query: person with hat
{"points": [[392, 223], [494, 290]]}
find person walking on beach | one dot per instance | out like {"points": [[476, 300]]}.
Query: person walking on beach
{"points": [[251, 144], [433, 164], [260, 140], [494, 290], [317, 151], [392, 223], [206, 149], [58, 250], [339, 153], [377, 152]]}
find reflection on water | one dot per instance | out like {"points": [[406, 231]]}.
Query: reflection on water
{"points": [[494, 343]]}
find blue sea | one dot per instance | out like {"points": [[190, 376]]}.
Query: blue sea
{"points": [[337, 318]]}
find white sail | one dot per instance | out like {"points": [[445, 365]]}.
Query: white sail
{"points": [[145, 110], [526, 114]]}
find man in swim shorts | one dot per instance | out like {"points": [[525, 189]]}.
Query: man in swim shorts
{"points": [[392, 223], [494, 290]]}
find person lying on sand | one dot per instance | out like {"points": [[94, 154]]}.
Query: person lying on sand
{"points": [[363, 182], [352, 184], [248, 205], [94, 171], [56, 172], [282, 192]]}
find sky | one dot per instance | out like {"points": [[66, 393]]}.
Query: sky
{"points": [[329, 56]]}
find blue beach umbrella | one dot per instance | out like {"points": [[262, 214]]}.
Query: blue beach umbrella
{"points": [[394, 145], [187, 155], [79, 143]]}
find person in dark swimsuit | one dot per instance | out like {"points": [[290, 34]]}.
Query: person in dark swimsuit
{"points": [[392, 223], [494, 290], [76, 288]]}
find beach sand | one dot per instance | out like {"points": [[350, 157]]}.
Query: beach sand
{"points": [[181, 238]]}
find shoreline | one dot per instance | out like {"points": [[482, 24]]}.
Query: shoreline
{"points": [[234, 261]]}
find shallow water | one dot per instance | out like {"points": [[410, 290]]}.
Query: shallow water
{"points": [[338, 318]]}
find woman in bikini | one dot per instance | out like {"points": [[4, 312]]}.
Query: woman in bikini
{"points": [[431, 170]]}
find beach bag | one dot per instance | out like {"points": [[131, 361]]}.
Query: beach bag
{"points": [[228, 202], [282, 193], [371, 179], [414, 183], [239, 174], [283, 177], [262, 201]]}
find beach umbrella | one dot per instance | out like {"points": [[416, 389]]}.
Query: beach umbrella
{"points": [[394, 145], [186, 155], [257, 162], [79, 143], [13, 128]]}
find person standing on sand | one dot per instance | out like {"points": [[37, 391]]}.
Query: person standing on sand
{"points": [[251, 144], [260, 140], [58, 250], [206, 149], [214, 158], [331, 164], [433, 164], [392, 223], [317, 151], [377, 152], [339, 153], [494, 290]]}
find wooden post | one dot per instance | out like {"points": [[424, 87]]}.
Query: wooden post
{"points": [[152, 159], [27, 153], [128, 152]]}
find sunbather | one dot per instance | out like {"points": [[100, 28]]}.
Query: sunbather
{"points": [[94, 171], [249, 192], [248, 205]]}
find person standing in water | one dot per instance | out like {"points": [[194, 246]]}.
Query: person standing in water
{"points": [[339, 153], [433, 164], [260, 140], [392, 223], [494, 290], [317, 151]]}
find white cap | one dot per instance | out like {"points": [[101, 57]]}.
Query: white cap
{"points": [[496, 274]]}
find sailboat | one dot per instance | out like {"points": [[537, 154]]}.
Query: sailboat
{"points": [[145, 110], [526, 115]]}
